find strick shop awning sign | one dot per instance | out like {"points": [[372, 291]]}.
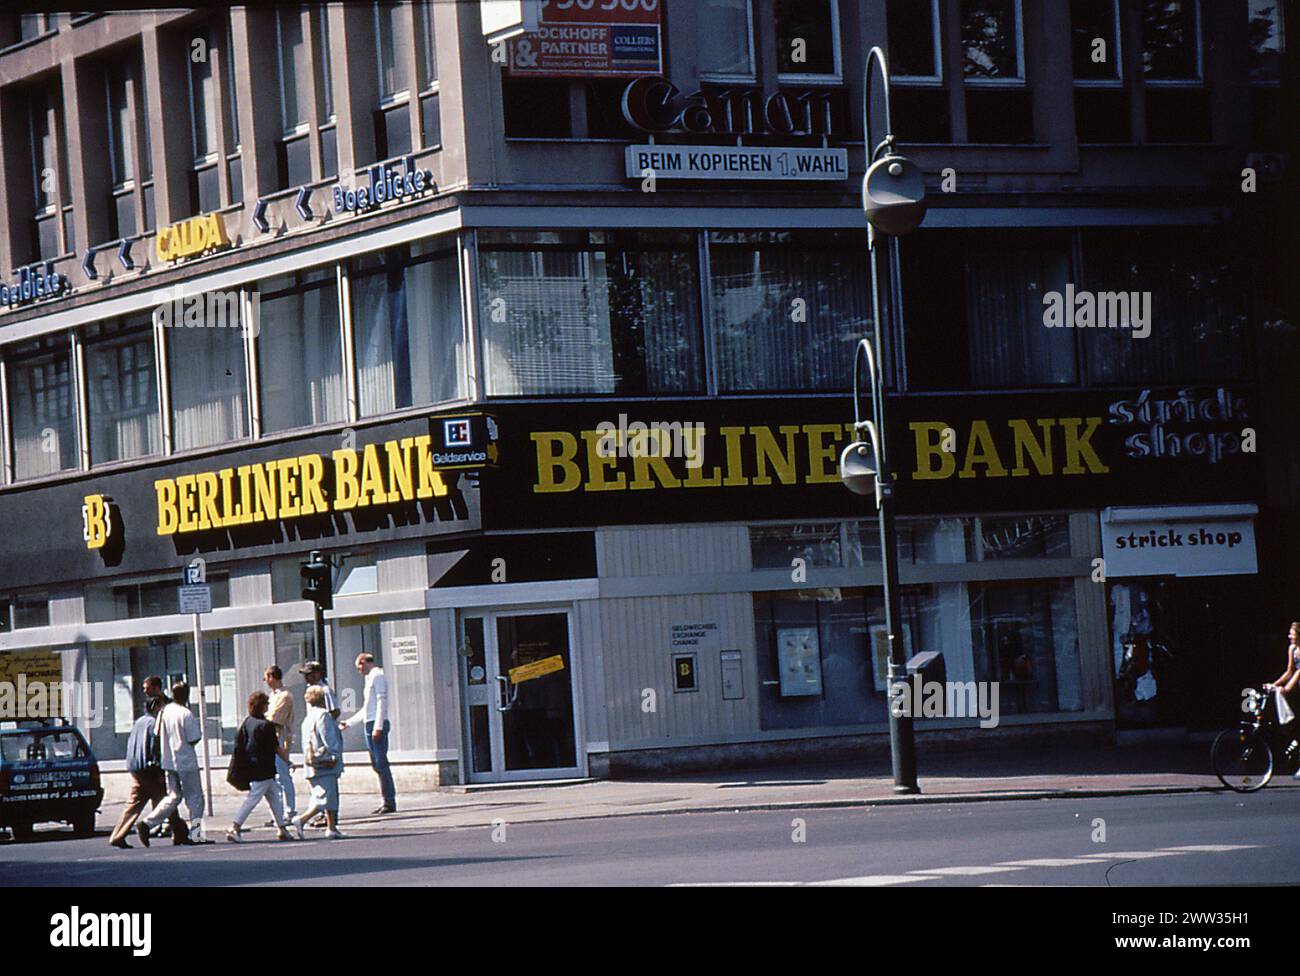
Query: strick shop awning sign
{"points": [[591, 39]]}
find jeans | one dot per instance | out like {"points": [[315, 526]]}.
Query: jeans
{"points": [[284, 782], [257, 791], [379, 761]]}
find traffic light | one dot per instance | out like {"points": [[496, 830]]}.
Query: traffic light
{"points": [[317, 581]]}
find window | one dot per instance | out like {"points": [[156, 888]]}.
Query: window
{"points": [[205, 365], [146, 598], [1198, 307], [1266, 40], [590, 313], [725, 40], [536, 108], [410, 342], [119, 77], [392, 46], [205, 189], [807, 39], [293, 149], [915, 44], [52, 232], [122, 391], [430, 110], [1095, 40], [329, 144], [992, 43], [22, 610], [1171, 41], [788, 308], [300, 351], [42, 408], [986, 330], [1025, 637]]}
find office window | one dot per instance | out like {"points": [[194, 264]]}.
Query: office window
{"points": [[725, 40], [42, 408], [983, 328], [992, 42], [788, 308], [406, 312], [49, 174], [300, 351], [325, 68], [293, 151], [430, 109], [203, 103], [535, 108], [1171, 40], [1095, 40], [392, 42], [118, 77], [1198, 311], [915, 45], [122, 391], [1266, 40], [808, 38], [590, 313], [208, 382], [21, 610], [232, 102]]}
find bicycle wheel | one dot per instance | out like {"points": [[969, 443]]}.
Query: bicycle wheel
{"points": [[1242, 759]]}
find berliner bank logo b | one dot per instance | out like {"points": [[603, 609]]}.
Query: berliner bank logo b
{"points": [[96, 521]]}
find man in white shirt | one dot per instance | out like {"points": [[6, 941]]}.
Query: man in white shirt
{"points": [[178, 730], [375, 714]]}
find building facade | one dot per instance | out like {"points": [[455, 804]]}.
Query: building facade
{"points": [[358, 279]]}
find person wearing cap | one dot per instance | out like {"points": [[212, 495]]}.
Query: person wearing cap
{"points": [[314, 673]]}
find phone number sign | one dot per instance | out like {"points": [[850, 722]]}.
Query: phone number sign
{"points": [[591, 39]]}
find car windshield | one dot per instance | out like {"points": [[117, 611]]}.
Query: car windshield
{"points": [[38, 745]]}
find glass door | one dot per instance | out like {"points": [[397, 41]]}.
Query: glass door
{"points": [[517, 682]]}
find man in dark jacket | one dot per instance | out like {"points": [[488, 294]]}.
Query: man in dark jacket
{"points": [[253, 762], [146, 775]]}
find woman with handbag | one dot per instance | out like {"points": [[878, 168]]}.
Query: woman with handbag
{"points": [[252, 767], [322, 742]]}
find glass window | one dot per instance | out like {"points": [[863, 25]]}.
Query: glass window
{"points": [[992, 44], [1023, 537], [410, 345], [1094, 40], [725, 39], [300, 351], [120, 157], [914, 41], [325, 68], [393, 131], [122, 671], [429, 62], [1025, 637], [392, 42], [807, 37], [1266, 40], [1196, 307], [30, 26], [122, 392], [23, 610], [146, 598], [292, 51], [209, 395], [990, 321], [42, 745], [788, 308], [203, 103], [232, 128], [43, 408], [777, 546], [42, 142], [590, 313], [1171, 41]]}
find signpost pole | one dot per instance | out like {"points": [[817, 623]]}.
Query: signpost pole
{"points": [[203, 723]]}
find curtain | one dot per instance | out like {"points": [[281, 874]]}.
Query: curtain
{"points": [[123, 393], [44, 431], [207, 386], [300, 354]]}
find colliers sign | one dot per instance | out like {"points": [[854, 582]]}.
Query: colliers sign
{"points": [[190, 238]]}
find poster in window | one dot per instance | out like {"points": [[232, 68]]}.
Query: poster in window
{"points": [[228, 694], [800, 661], [580, 39], [123, 704], [880, 652]]}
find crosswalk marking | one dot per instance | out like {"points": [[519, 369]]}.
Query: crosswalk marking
{"points": [[1133, 855], [965, 870], [1045, 862], [873, 881], [1211, 848]]}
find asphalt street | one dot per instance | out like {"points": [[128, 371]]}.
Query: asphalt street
{"points": [[1195, 839]]}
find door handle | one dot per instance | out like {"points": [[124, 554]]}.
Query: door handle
{"points": [[508, 694]]}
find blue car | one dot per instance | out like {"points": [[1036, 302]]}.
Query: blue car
{"points": [[47, 773]]}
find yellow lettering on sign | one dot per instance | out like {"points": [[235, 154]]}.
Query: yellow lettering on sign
{"points": [[185, 501], [264, 486], [399, 470], [536, 669], [190, 237], [313, 498], [980, 449], [288, 488], [346, 491], [556, 471], [1078, 447], [430, 482], [819, 453], [372, 478], [597, 464], [209, 517], [168, 520], [1024, 439], [929, 435], [768, 452]]}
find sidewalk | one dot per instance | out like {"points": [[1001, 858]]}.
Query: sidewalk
{"points": [[945, 778]]}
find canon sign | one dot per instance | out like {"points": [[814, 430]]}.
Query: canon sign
{"points": [[657, 105]]}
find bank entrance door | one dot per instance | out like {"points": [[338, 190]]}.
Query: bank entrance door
{"points": [[517, 684]]}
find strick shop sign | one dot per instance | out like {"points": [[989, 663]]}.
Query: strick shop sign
{"points": [[591, 39]]}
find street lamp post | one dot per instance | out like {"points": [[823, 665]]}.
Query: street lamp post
{"points": [[893, 199]]}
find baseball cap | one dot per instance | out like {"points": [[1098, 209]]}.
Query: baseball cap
{"points": [[308, 666]]}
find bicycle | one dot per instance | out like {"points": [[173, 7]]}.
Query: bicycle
{"points": [[1244, 758]]}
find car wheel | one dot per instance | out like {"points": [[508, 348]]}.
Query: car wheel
{"points": [[83, 825], [21, 831]]}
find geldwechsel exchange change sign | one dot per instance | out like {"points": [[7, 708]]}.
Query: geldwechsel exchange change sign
{"points": [[716, 460]]}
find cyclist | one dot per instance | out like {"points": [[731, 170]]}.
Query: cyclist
{"points": [[1286, 684]]}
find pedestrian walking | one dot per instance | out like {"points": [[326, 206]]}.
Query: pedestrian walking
{"points": [[374, 712], [322, 743], [178, 730], [252, 767], [147, 782], [279, 712]]}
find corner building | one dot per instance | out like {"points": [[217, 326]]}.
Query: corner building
{"points": [[352, 278]]}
